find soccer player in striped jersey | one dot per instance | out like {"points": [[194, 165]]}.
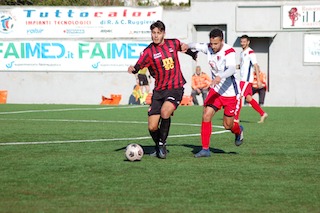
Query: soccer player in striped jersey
{"points": [[224, 90], [248, 65], [161, 57]]}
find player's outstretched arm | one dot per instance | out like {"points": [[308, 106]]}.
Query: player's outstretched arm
{"points": [[131, 69]]}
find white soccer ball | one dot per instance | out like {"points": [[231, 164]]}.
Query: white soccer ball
{"points": [[134, 152]]}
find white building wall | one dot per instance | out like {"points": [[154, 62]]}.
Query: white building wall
{"points": [[291, 82]]}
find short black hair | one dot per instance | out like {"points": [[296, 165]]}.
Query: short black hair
{"points": [[158, 24], [216, 33], [246, 37]]}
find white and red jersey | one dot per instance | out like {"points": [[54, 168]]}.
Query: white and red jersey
{"points": [[247, 60], [222, 63]]}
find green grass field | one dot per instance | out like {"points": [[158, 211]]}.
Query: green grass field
{"points": [[70, 158]]}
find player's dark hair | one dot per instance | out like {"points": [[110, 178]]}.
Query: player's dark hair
{"points": [[246, 37], [216, 33], [158, 24]]}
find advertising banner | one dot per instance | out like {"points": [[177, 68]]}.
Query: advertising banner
{"points": [[312, 48], [77, 22], [307, 16], [69, 55]]}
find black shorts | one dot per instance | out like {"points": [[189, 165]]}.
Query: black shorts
{"points": [[143, 80], [159, 97]]}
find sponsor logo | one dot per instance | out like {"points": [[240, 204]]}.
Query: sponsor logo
{"points": [[106, 31], [96, 65], [140, 32], [74, 13], [10, 65], [157, 55], [294, 15], [34, 31], [6, 23], [74, 31]]}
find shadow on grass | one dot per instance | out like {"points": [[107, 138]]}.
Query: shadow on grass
{"points": [[146, 149], [241, 121], [195, 149]]}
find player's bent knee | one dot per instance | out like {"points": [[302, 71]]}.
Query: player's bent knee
{"points": [[227, 126], [166, 115], [153, 128]]}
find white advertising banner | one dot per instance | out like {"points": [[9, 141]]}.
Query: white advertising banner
{"points": [[307, 16], [77, 22], [312, 48], [69, 55]]}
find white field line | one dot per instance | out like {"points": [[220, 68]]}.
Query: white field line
{"points": [[102, 140], [69, 109], [92, 121], [97, 121]]}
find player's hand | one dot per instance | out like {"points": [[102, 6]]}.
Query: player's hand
{"points": [[184, 47], [215, 81], [260, 85], [131, 69]]}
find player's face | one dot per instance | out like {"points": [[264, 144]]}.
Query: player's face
{"points": [[157, 35], [216, 44], [244, 43]]}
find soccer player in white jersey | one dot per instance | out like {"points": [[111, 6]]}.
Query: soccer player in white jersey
{"points": [[224, 90], [248, 65]]}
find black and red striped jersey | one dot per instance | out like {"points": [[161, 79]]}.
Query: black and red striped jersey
{"points": [[163, 63]]}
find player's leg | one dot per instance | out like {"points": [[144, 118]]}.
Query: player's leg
{"points": [[210, 107], [167, 110], [243, 87], [154, 119], [254, 103], [257, 107], [173, 98], [154, 131], [230, 108], [237, 113], [206, 130], [237, 130]]}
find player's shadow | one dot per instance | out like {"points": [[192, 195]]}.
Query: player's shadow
{"points": [[196, 149], [146, 149], [241, 121]]}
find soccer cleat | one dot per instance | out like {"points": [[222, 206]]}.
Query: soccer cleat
{"points": [[203, 153], [239, 138], [153, 154], [156, 151], [162, 151], [263, 118]]}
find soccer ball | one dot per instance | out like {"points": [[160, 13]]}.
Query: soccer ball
{"points": [[134, 152]]}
